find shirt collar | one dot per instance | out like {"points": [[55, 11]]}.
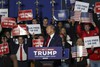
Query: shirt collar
{"points": [[20, 44], [51, 36]]}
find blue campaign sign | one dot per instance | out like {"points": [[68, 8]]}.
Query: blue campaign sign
{"points": [[66, 53], [44, 53], [61, 15]]}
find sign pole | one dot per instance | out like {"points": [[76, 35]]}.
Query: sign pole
{"points": [[52, 2], [19, 4], [37, 9], [2, 2]]}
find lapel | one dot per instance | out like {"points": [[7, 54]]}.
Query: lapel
{"points": [[24, 47], [52, 41]]}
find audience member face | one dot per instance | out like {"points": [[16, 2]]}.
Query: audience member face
{"points": [[4, 39], [79, 42], [34, 21], [49, 30], [72, 20], [60, 24], [45, 22], [20, 40], [41, 37], [87, 27], [7, 34], [63, 31]]}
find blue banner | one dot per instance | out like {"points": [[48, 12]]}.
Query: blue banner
{"points": [[61, 15], [41, 53], [66, 53]]}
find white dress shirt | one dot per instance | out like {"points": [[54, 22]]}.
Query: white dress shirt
{"points": [[51, 36], [24, 55]]}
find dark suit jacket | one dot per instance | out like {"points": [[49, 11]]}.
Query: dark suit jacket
{"points": [[55, 41], [16, 46]]}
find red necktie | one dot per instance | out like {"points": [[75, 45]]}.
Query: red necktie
{"points": [[21, 53], [47, 41]]}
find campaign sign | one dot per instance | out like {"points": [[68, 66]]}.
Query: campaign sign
{"points": [[8, 22], [81, 51], [34, 28], [78, 51], [77, 15], [81, 6], [66, 53], [4, 12], [4, 48], [97, 7], [25, 15], [19, 30], [61, 15], [86, 17], [38, 42], [92, 41], [42, 53]]}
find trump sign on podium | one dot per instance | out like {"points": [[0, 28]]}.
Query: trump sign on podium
{"points": [[91, 41], [44, 53]]}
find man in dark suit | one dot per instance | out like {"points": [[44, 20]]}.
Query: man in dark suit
{"points": [[21, 51], [53, 39]]}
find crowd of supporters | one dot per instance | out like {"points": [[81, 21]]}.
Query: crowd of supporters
{"points": [[70, 32]]}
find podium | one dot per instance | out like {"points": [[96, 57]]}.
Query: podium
{"points": [[45, 56], [47, 63]]}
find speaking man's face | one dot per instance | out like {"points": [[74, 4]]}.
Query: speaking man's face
{"points": [[49, 30]]}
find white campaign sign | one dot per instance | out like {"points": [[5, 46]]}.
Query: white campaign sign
{"points": [[34, 28], [91, 41], [81, 51], [81, 6], [4, 12]]}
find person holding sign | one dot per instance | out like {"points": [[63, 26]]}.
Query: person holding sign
{"points": [[21, 50], [6, 55], [94, 53], [81, 61], [87, 32], [34, 21]]}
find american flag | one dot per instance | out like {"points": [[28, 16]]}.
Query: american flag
{"points": [[86, 17], [78, 51]]}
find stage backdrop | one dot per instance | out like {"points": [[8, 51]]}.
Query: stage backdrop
{"points": [[44, 6]]}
